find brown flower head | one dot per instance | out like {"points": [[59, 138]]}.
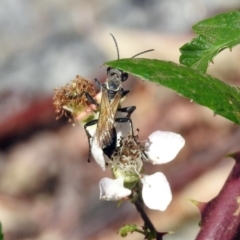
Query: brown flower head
{"points": [[128, 158], [70, 99]]}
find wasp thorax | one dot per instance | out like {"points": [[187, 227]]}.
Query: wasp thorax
{"points": [[113, 85]]}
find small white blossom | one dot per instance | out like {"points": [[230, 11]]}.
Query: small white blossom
{"points": [[127, 166], [113, 189], [98, 154], [156, 191], [122, 130], [163, 147]]}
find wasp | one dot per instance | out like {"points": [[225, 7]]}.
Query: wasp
{"points": [[112, 92]]}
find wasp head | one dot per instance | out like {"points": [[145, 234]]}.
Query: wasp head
{"points": [[113, 72], [115, 79]]}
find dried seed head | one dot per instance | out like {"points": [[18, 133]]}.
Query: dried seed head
{"points": [[128, 159], [70, 98]]}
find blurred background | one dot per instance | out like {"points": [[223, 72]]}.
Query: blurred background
{"points": [[48, 190]]}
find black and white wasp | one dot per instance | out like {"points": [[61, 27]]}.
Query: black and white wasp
{"points": [[105, 135]]}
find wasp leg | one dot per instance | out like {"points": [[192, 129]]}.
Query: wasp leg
{"points": [[89, 135], [98, 84], [128, 110], [90, 98], [87, 95], [123, 120], [124, 93]]}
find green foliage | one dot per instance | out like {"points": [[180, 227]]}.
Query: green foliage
{"points": [[128, 228], [202, 88], [214, 35], [1, 233]]}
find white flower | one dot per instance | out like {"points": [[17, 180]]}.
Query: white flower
{"points": [[96, 151], [113, 189], [163, 147], [122, 129], [98, 154], [156, 192]]}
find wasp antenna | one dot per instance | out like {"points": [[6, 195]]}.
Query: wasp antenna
{"points": [[150, 50], [115, 41]]}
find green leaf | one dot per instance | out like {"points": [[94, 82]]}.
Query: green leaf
{"points": [[128, 228], [1, 233], [202, 88], [214, 35]]}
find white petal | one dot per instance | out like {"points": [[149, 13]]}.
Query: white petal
{"points": [[123, 128], [162, 147], [96, 151], [98, 154], [156, 192], [113, 189], [92, 129]]}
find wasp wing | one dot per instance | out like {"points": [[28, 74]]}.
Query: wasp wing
{"points": [[105, 132]]}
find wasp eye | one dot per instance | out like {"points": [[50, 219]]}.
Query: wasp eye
{"points": [[124, 76], [108, 69]]}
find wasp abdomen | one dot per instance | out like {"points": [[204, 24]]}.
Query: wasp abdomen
{"points": [[110, 148]]}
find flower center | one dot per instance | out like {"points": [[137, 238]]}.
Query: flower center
{"points": [[128, 158]]}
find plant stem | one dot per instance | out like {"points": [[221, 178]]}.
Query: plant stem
{"points": [[221, 217], [147, 222]]}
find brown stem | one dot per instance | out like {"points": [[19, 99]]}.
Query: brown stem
{"points": [[221, 217], [147, 222]]}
